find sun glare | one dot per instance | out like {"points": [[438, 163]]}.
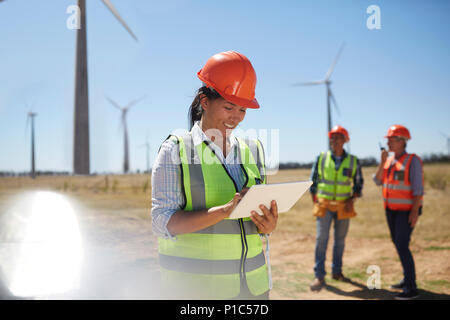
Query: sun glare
{"points": [[50, 256]]}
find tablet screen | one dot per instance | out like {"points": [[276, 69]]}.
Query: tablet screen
{"points": [[285, 194]]}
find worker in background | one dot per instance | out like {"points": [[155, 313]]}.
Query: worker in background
{"points": [[198, 179], [401, 176], [333, 197]]}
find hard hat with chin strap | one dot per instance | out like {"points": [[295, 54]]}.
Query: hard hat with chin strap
{"points": [[232, 75]]}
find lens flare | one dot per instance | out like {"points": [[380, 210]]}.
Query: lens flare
{"points": [[50, 255]]}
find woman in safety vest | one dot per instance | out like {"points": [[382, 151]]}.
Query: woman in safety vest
{"points": [[197, 181], [333, 196], [401, 176]]}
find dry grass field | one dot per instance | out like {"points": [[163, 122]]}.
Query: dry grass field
{"points": [[121, 252]]}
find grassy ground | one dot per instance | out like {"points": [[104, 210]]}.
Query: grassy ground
{"points": [[368, 243], [117, 215]]}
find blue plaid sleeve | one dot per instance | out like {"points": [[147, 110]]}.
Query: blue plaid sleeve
{"points": [[167, 197]]}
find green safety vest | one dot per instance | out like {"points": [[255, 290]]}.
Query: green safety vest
{"points": [[335, 184], [218, 261]]}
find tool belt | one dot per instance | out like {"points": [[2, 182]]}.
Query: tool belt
{"points": [[323, 205]]}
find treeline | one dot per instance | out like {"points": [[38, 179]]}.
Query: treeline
{"points": [[38, 173], [365, 162], [436, 158], [63, 173]]}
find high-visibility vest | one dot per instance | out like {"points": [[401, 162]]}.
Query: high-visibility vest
{"points": [[335, 184], [397, 189], [215, 262]]}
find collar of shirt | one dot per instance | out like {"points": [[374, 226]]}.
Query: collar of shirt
{"points": [[344, 154], [198, 136]]}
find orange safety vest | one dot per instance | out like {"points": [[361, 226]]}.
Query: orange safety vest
{"points": [[397, 189]]}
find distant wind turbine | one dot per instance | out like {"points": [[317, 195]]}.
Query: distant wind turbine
{"points": [[448, 141], [81, 159], [30, 117], [327, 82], [147, 149], [126, 159]]}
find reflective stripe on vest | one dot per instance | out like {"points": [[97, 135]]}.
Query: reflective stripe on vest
{"points": [[221, 257], [332, 184], [396, 187], [229, 226], [257, 152], [341, 183], [399, 201], [333, 194], [203, 266]]}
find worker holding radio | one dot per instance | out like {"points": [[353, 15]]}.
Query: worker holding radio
{"points": [[401, 176]]}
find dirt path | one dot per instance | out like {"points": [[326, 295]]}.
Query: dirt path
{"points": [[121, 262], [293, 262], [120, 257]]}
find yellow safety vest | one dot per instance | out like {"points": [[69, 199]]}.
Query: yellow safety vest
{"points": [[335, 184], [215, 262]]}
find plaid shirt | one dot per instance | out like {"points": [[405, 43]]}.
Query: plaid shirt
{"points": [[167, 193]]}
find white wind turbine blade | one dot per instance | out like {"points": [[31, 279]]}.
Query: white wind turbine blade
{"points": [[27, 123], [115, 104], [132, 103], [146, 144], [311, 83], [335, 103], [114, 11], [330, 71]]}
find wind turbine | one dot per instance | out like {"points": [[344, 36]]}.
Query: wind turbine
{"points": [[147, 149], [81, 157], [126, 159], [30, 116], [448, 141], [327, 82]]}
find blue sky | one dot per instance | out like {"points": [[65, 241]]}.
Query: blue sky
{"points": [[397, 74]]}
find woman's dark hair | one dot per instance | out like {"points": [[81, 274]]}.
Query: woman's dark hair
{"points": [[196, 110]]}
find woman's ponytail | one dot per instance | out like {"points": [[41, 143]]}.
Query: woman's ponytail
{"points": [[196, 110]]}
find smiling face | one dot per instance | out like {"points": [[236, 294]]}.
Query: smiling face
{"points": [[221, 115]]}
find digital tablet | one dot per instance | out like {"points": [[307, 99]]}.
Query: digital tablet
{"points": [[286, 195]]}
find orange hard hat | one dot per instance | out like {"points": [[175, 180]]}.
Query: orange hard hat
{"points": [[398, 130], [341, 130], [232, 75]]}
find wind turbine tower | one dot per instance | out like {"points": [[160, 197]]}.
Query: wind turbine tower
{"points": [[124, 110], [329, 94], [147, 149], [30, 117], [81, 158]]}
